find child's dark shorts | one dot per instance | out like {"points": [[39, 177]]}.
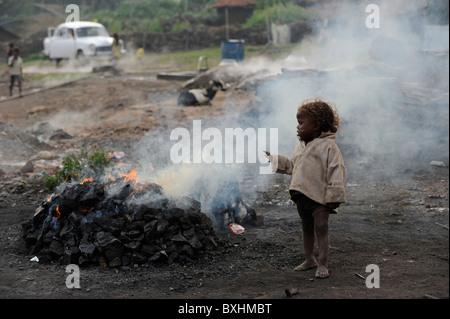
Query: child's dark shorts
{"points": [[14, 78], [306, 206]]}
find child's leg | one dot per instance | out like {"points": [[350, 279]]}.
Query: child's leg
{"points": [[20, 85], [323, 240], [308, 240], [11, 84]]}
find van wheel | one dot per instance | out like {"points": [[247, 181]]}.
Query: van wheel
{"points": [[56, 62], [81, 58]]}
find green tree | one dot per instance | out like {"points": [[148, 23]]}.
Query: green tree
{"points": [[14, 9], [280, 12]]}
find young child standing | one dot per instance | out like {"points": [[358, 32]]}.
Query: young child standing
{"points": [[318, 178], [15, 70]]}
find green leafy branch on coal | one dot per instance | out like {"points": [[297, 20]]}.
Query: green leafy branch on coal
{"points": [[75, 166]]}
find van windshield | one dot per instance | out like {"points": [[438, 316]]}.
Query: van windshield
{"points": [[92, 32]]}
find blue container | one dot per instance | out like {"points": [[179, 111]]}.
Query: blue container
{"points": [[233, 50]]}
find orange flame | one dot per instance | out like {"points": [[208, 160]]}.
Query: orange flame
{"points": [[59, 214], [90, 179], [67, 177], [131, 176]]}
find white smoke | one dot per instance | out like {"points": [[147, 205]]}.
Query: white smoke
{"points": [[372, 75], [389, 95]]}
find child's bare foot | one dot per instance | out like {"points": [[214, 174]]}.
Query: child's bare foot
{"points": [[322, 272], [306, 265]]}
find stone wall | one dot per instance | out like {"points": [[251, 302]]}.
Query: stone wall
{"points": [[213, 36], [193, 39]]}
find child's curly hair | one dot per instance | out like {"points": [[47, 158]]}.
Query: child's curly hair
{"points": [[321, 112]]}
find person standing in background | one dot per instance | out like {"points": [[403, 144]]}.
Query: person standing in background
{"points": [[15, 71], [117, 46], [9, 51]]}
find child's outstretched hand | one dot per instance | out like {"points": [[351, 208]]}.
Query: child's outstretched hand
{"points": [[270, 157]]}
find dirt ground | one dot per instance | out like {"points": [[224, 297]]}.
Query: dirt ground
{"points": [[399, 224]]}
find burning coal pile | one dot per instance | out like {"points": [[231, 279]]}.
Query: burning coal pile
{"points": [[117, 222]]}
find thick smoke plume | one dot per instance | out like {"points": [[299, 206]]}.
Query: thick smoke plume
{"points": [[390, 93]]}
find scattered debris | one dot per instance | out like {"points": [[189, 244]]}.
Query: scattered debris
{"points": [[358, 275], [236, 228], [196, 97], [228, 207], [118, 155], [291, 291], [445, 226], [338, 249], [34, 259]]}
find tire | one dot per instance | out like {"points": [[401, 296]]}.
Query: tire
{"points": [[81, 58], [56, 62]]}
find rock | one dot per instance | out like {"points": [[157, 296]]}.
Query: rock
{"points": [[437, 163], [46, 155], [27, 168], [104, 239], [115, 262], [160, 256], [179, 239], [107, 70], [86, 248], [60, 135], [291, 291]]}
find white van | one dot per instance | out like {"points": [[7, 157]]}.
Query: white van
{"points": [[79, 40]]}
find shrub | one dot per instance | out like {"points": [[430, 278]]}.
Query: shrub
{"points": [[74, 166], [279, 13]]}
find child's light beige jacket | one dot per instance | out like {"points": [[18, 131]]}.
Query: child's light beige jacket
{"points": [[317, 169]]}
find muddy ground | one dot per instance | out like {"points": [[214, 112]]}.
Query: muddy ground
{"points": [[398, 223]]}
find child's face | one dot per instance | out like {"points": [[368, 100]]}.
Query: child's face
{"points": [[307, 129]]}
